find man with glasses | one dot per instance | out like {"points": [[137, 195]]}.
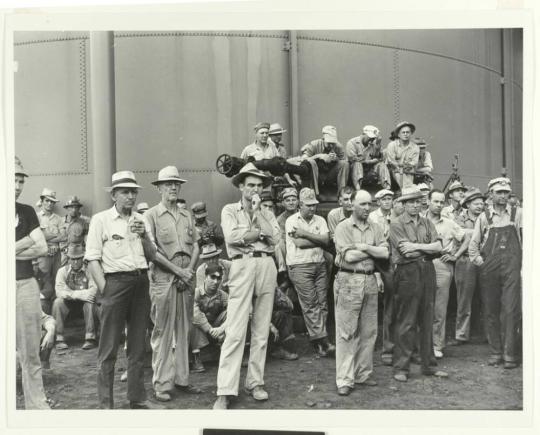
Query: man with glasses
{"points": [[402, 154]]}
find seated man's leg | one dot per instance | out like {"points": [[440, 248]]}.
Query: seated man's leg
{"points": [[60, 310], [357, 174], [90, 336], [384, 175]]}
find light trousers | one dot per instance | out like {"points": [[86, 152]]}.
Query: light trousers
{"points": [[60, 310], [466, 283], [443, 275]]}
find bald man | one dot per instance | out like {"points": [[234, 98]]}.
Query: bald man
{"points": [[358, 242]]}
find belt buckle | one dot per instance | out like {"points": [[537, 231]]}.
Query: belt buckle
{"points": [[250, 254]]}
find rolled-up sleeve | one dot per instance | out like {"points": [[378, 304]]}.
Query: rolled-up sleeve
{"points": [[94, 242], [269, 226], [343, 241], [476, 238], [60, 286], [232, 230], [307, 150]]}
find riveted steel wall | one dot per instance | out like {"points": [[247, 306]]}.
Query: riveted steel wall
{"points": [[184, 98]]}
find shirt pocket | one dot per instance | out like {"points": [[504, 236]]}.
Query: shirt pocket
{"points": [[118, 248], [166, 235], [189, 236]]}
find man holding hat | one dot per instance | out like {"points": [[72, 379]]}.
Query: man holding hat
{"points": [[118, 248], [51, 225], [466, 273], [74, 227], [365, 155], [30, 243], [251, 235], [455, 195], [171, 284], [306, 236], [74, 285], [402, 154], [496, 248], [330, 158], [413, 242], [209, 232]]}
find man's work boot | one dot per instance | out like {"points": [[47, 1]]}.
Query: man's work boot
{"points": [[198, 366], [222, 402]]}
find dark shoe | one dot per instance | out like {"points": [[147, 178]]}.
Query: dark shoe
{"points": [[162, 396], [198, 366], [139, 405], [510, 365], [189, 389], [401, 377], [330, 349], [433, 372], [319, 349], [222, 402], [61, 345], [494, 360], [456, 342], [368, 382], [284, 354], [258, 393], [386, 359], [344, 391], [415, 359], [89, 344]]}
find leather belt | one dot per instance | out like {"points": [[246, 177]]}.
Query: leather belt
{"points": [[136, 272], [362, 272], [250, 255]]}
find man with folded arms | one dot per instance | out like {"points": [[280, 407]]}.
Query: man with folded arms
{"points": [[251, 235], [118, 246], [358, 242]]}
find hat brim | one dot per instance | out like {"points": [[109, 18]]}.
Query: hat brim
{"points": [[211, 254], [164, 180], [24, 174], [131, 185], [408, 124], [75, 256], [288, 196], [270, 133], [329, 138], [404, 198], [472, 198], [50, 198], [74, 204], [240, 177], [502, 189], [200, 215], [457, 188], [310, 202], [384, 196]]}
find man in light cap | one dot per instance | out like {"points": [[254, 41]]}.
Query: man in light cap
{"points": [[118, 249], [330, 158], [402, 154], [51, 225], [30, 243], [456, 192], [171, 286], [74, 228], [251, 235], [496, 248], [289, 200], [365, 156], [306, 236], [358, 242], [209, 232]]}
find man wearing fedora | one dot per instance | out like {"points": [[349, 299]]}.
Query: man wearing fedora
{"points": [[30, 243], [251, 235], [365, 154], [275, 133], [495, 248], [171, 286], [118, 249], [209, 232], [402, 154], [456, 192], [51, 225], [210, 255], [413, 242], [329, 156], [74, 285], [466, 273], [306, 236], [74, 227]]}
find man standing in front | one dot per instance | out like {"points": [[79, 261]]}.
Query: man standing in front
{"points": [[29, 244], [496, 248], [358, 242], [251, 235], [118, 246], [307, 235], [412, 240], [177, 240]]}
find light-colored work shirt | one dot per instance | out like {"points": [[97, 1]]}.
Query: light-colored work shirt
{"points": [[295, 255], [450, 212], [260, 152], [378, 217], [402, 156], [427, 163], [111, 242], [335, 216], [466, 221], [349, 234], [50, 224], [450, 234], [69, 282], [318, 146], [357, 152], [236, 222]]}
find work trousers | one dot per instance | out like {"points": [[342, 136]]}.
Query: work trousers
{"points": [[356, 327], [466, 277], [48, 266], [387, 276], [252, 282], [311, 281], [28, 335], [202, 339], [60, 310], [283, 322], [383, 175], [333, 173], [443, 275], [414, 285], [124, 299]]}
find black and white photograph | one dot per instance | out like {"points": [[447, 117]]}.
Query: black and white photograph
{"points": [[275, 218]]}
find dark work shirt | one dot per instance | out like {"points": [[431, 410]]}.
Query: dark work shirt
{"points": [[26, 221]]}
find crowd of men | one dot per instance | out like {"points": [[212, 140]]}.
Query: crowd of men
{"points": [[161, 272]]}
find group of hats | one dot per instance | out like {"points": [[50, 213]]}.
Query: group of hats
{"points": [[272, 128], [73, 201]]}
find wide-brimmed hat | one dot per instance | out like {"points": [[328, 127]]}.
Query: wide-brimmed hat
{"points": [[250, 169], [169, 173], [471, 195], [123, 179], [383, 192], [308, 197], [420, 142], [276, 129], [329, 134], [456, 185], [199, 209], [75, 251], [209, 250], [404, 124], [423, 186], [49, 194], [142, 206], [411, 192], [19, 170], [288, 191], [260, 125], [500, 183], [371, 131], [73, 201]]}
